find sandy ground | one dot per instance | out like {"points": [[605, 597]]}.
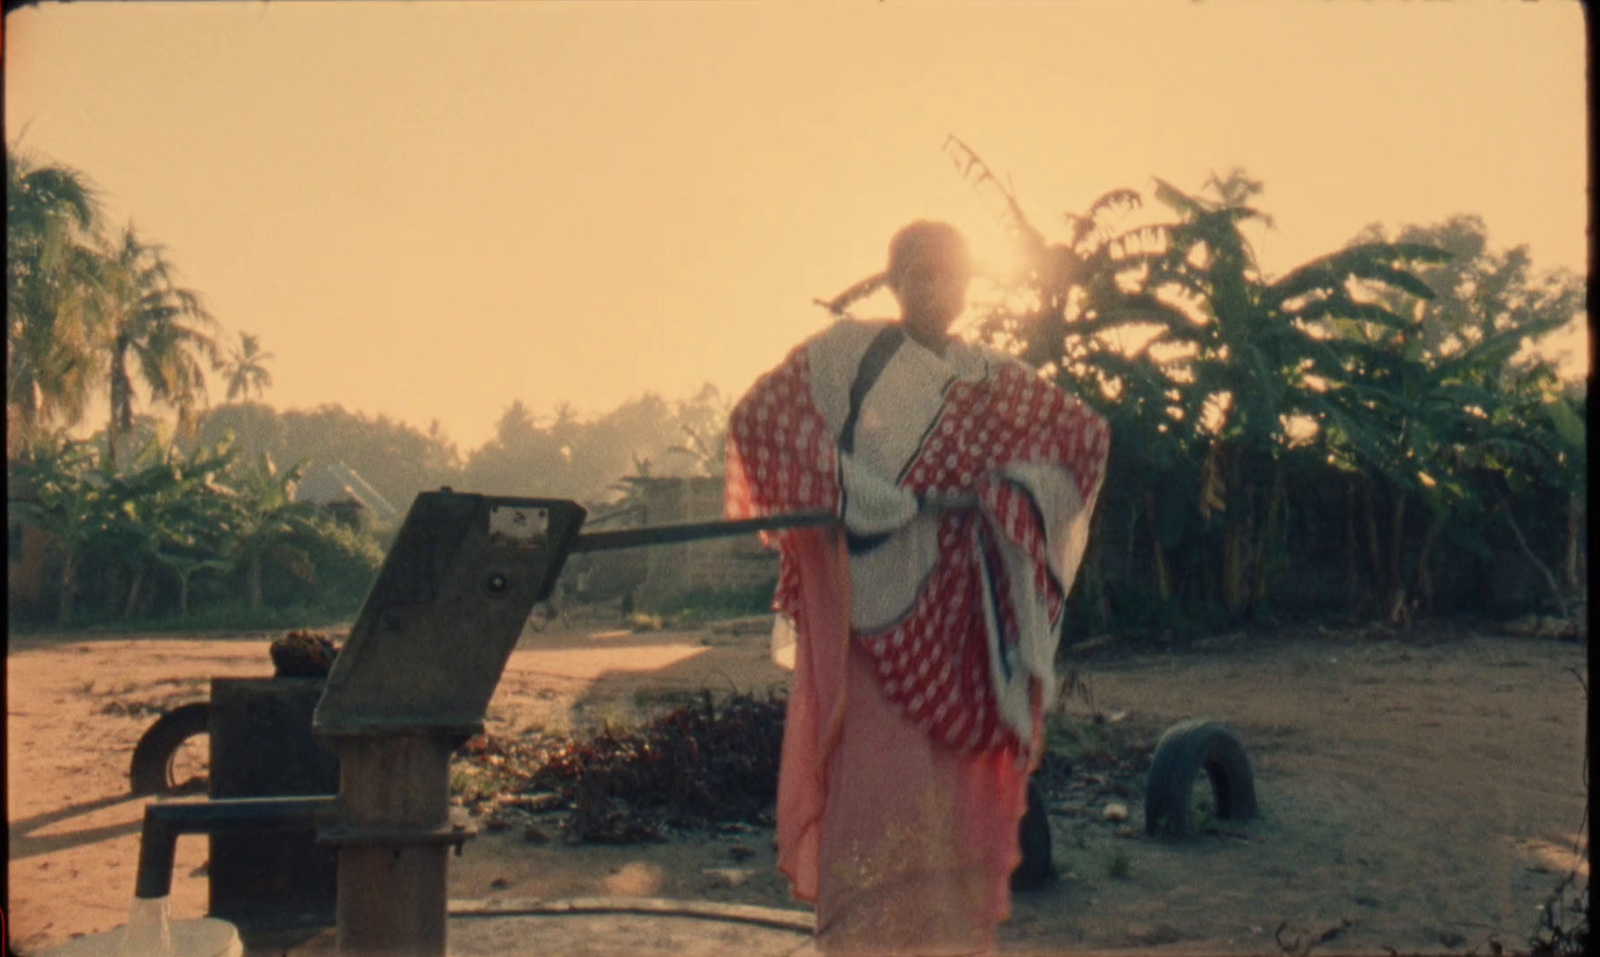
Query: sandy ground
{"points": [[1420, 791]]}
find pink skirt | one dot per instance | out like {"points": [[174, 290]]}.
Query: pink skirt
{"points": [[904, 846]]}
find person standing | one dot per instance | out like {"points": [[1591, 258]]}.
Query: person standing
{"points": [[926, 627]]}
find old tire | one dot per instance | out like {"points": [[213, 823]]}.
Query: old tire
{"points": [[151, 771], [1186, 749]]}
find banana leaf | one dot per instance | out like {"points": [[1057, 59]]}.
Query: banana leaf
{"points": [[1141, 308], [1494, 350], [1367, 261], [1566, 423], [1341, 306], [1002, 202], [1178, 200], [1116, 203]]}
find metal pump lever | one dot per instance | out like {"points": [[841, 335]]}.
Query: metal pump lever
{"points": [[694, 531]]}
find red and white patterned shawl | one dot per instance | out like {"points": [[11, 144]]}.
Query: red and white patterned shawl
{"points": [[959, 609]]}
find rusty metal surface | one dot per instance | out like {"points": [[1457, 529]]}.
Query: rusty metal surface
{"points": [[694, 531], [395, 782], [460, 830], [456, 588], [392, 894], [391, 901], [165, 820], [262, 746]]}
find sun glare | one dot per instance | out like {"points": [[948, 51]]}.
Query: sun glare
{"points": [[999, 262]]}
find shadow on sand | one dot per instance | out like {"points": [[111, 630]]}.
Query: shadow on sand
{"points": [[25, 844]]}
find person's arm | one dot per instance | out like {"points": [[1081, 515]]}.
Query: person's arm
{"points": [[782, 456]]}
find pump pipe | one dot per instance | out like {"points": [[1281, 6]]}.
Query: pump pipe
{"points": [[165, 820]]}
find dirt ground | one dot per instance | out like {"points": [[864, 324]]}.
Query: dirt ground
{"points": [[1419, 790]]}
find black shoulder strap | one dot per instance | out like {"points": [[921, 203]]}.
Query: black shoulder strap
{"points": [[878, 354]]}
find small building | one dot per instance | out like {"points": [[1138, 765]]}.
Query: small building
{"points": [[30, 551], [342, 491], [712, 565]]}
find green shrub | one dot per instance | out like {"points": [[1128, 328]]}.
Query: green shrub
{"points": [[235, 615], [347, 564], [329, 571], [703, 605]]}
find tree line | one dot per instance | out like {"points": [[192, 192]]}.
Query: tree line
{"points": [[212, 520], [93, 305], [1368, 434], [155, 516], [170, 531], [137, 521]]}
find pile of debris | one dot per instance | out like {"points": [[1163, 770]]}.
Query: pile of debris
{"points": [[713, 764], [303, 654], [695, 767]]}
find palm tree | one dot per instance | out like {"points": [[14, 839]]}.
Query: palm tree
{"points": [[704, 421], [244, 367], [52, 274], [163, 327]]}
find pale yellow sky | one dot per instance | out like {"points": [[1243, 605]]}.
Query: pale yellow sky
{"points": [[430, 209]]}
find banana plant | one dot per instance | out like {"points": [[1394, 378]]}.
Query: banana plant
{"points": [[1394, 364], [1237, 361], [263, 521], [185, 565], [159, 498], [68, 502], [1070, 309], [182, 510], [1265, 366], [189, 540], [1465, 418]]}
